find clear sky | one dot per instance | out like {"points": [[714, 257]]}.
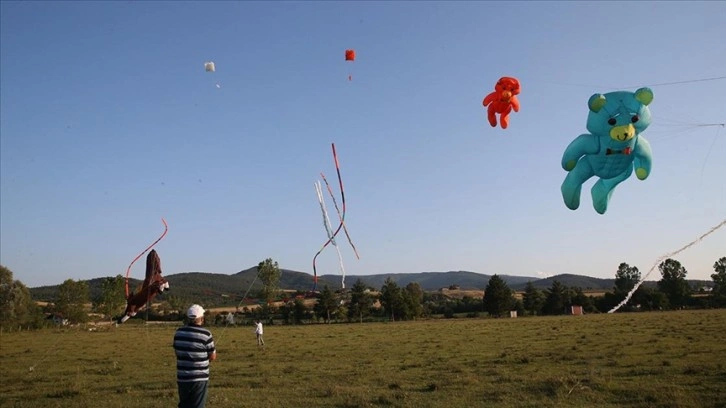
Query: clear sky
{"points": [[110, 122]]}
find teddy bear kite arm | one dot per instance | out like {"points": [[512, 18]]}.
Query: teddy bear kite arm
{"points": [[582, 145], [515, 103], [643, 159], [489, 99]]}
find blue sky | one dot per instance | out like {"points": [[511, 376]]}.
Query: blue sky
{"points": [[109, 123]]}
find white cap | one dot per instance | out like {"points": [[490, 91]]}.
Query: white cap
{"points": [[195, 311]]}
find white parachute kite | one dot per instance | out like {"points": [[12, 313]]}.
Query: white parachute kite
{"points": [[209, 67]]}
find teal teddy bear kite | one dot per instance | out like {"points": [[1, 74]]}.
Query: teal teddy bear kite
{"points": [[611, 150]]}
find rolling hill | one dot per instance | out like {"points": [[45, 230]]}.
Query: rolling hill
{"points": [[225, 289], [232, 288], [430, 281]]}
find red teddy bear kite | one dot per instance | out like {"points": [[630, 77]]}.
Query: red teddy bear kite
{"points": [[502, 101]]}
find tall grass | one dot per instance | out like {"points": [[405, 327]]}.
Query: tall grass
{"points": [[671, 359]]}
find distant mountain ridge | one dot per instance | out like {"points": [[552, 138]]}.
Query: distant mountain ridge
{"points": [[430, 281], [217, 288], [205, 285]]}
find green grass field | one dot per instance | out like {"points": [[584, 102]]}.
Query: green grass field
{"points": [[669, 359]]}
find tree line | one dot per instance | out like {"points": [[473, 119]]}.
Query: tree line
{"points": [[672, 292], [361, 303]]}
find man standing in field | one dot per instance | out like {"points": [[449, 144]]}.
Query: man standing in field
{"points": [[194, 348], [258, 333]]}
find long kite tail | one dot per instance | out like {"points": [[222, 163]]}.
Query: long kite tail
{"points": [[664, 257], [340, 217], [324, 210], [329, 231], [342, 197], [128, 270]]}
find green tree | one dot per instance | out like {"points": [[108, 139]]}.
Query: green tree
{"points": [[264, 312], [579, 298], [556, 299], [112, 299], [498, 298], [533, 299], [268, 272], [519, 307], [295, 311], [8, 316], [341, 311], [654, 299], [673, 283], [177, 303], [391, 299], [361, 301], [326, 304], [299, 311], [17, 307], [626, 278], [72, 299], [413, 299], [719, 282]]}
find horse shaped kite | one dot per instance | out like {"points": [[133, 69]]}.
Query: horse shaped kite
{"points": [[153, 284]]}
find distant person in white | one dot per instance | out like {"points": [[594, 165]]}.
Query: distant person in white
{"points": [[258, 332]]}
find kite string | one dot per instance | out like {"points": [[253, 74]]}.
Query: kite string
{"points": [[661, 259], [637, 86], [128, 270], [53, 349], [678, 82], [226, 324], [248, 290], [218, 340], [703, 167]]}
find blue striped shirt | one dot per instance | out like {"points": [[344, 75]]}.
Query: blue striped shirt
{"points": [[193, 345]]}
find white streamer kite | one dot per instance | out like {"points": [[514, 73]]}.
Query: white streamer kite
{"points": [[329, 229], [340, 216], [663, 258]]}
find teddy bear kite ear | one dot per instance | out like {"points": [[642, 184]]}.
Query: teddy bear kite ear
{"points": [[644, 96], [596, 102]]}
